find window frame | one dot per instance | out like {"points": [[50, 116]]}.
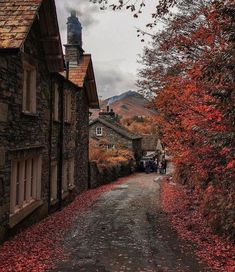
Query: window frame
{"points": [[101, 131], [67, 106], [54, 181], [29, 96], [68, 179], [71, 166], [29, 189], [111, 146]]}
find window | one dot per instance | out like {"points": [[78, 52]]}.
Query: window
{"points": [[25, 182], [29, 89], [68, 174], [56, 103], [99, 131], [67, 106], [54, 181], [110, 146]]}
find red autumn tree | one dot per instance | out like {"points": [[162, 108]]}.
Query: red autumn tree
{"points": [[190, 68]]}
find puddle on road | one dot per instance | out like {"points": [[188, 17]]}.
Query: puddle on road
{"points": [[121, 187]]}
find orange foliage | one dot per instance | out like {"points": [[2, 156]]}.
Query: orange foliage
{"points": [[140, 125], [191, 226], [106, 157], [191, 67]]}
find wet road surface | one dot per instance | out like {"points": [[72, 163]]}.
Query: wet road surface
{"points": [[126, 230]]}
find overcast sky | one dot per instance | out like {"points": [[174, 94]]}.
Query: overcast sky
{"points": [[112, 40]]}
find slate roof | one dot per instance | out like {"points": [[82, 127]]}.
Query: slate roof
{"points": [[16, 17], [116, 127]]}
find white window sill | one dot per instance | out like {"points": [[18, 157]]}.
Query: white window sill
{"points": [[22, 213]]}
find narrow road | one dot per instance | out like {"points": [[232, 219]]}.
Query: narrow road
{"points": [[126, 230]]}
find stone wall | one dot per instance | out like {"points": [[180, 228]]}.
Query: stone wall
{"points": [[20, 132], [76, 136], [114, 138], [69, 131], [111, 136], [82, 141], [149, 142], [100, 176]]}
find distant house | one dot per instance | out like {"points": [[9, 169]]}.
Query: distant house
{"points": [[44, 112], [151, 143], [105, 130]]}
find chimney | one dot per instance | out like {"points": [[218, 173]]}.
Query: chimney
{"points": [[73, 48], [109, 113]]}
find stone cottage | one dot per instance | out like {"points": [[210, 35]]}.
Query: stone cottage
{"points": [[106, 130], [44, 113], [151, 143]]}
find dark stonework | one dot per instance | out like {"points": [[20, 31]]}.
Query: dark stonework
{"points": [[73, 54], [149, 142], [98, 177], [76, 135], [111, 136], [73, 48], [82, 138], [22, 134], [114, 138]]}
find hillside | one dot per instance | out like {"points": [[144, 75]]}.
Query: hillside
{"points": [[127, 105]]}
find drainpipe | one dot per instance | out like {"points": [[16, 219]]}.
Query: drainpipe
{"points": [[67, 70], [50, 142], [61, 145]]}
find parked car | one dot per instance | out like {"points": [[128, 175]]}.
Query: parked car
{"points": [[149, 163]]}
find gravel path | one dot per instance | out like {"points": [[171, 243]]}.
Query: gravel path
{"points": [[126, 230]]}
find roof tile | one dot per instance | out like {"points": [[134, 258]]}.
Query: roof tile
{"points": [[77, 74], [16, 17]]}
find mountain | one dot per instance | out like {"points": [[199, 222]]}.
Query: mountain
{"points": [[124, 95], [127, 105]]}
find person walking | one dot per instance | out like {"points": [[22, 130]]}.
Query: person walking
{"points": [[156, 165], [163, 166], [148, 167]]}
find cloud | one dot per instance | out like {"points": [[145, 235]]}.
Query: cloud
{"points": [[113, 81], [105, 37], [86, 11]]}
